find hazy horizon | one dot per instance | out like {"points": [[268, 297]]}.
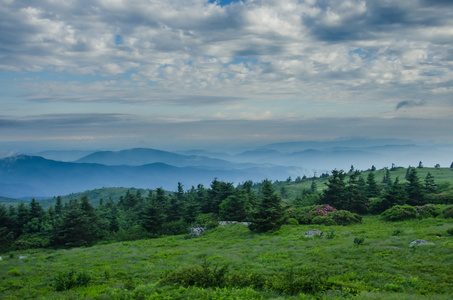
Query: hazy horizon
{"points": [[110, 75]]}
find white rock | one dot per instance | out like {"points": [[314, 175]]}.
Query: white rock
{"points": [[420, 242], [22, 257]]}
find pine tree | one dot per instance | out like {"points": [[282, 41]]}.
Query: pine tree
{"points": [[219, 191], [372, 188], [395, 194], [414, 189], [430, 185], [268, 215], [336, 193], [153, 216], [355, 195]]}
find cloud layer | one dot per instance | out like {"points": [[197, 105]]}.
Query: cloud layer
{"points": [[207, 61]]}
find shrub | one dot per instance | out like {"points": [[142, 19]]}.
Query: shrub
{"points": [[293, 283], [378, 206], [207, 221], [442, 198], [25, 242], [359, 241], [448, 212], [400, 213], [428, 210], [292, 221], [175, 227], [323, 214], [450, 231], [202, 276], [68, 280]]}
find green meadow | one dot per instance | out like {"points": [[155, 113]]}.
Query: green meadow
{"points": [[371, 260]]}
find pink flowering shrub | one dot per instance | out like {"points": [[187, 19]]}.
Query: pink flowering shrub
{"points": [[428, 210], [323, 214]]}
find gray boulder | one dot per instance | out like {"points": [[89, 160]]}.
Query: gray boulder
{"points": [[314, 232], [420, 242], [197, 230]]}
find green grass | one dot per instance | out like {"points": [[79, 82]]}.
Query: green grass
{"points": [[383, 266]]}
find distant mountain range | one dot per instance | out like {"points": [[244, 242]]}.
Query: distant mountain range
{"points": [[33, 176], [43, 175]]}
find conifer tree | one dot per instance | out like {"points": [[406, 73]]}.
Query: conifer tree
{"points": [[268, 215], [153, 216], [336, 193], [395, 194], [414, 189], [372, 188], [430, 185]]}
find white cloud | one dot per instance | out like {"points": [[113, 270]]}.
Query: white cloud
{"points": [[198, 54]]}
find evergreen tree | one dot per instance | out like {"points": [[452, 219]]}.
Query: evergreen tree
{"points": [[387, 180], [373, 168], [414, 189], [268, 215], [396, 194], [335, 193], [219, 191], [451, 166], [355, 195], [192, 207], [6, 232], [372, 188], [175, 208], [71, 231], [420, 165], [313, 187], [236, 207], [430, 185], [153, 216], [351, 170], [58, 207]]}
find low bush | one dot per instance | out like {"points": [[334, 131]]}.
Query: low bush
{"points": [[202, 276], [442, 198], [292, 221], [68, 280], [378, 206], [450, 231], [400, 213], [448, 212], [428, 211], [207, 221], [324, 215]]}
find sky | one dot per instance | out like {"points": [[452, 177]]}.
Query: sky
{"points": [[117, 74]]}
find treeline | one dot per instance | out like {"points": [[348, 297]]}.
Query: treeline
{"points": [[353, 192], [134, 216]]}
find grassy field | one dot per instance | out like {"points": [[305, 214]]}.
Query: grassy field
{"points": [[259, 266]]}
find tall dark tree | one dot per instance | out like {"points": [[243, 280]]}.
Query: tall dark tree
{"points": [[372, 188], [355, 195], [236, 207], [6, 232], [396, 194], [218, 192], [268, 215], [192, 208], [58, 207], [387, 180], [153, 216], [430, 185], [71, 232], [175, 207], [335, 193], [414, 189]]}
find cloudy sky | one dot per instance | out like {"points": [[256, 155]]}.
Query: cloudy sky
{"points": [[170, 73]]}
